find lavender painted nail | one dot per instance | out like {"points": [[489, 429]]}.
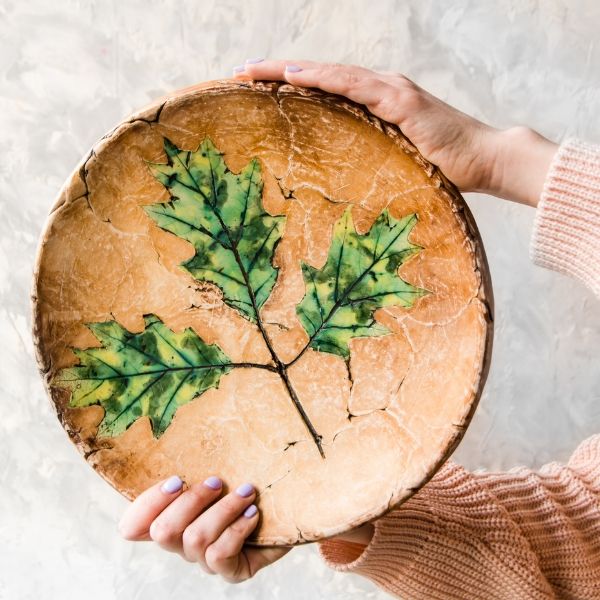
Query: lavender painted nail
{"points": [[292, 68], [214, 483], [245, 490], [253, 61], [239, 68], [250, 511], [172, 485]]}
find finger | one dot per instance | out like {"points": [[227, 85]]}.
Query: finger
{"points": [[389, 102], [224, 556], [138, 516], [204, 530], [276, 69], [272, 69], [379, 96], [168, 527]]}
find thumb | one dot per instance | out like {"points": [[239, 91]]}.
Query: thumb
{"points": [[262, 557]]}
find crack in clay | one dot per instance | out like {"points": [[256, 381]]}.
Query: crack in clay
{"points": [[332, 201], [350, 377], [357, 415], [290, 444], [389, 502], [153, 120], [291, 135], [301, 537], [287, 193], [158, 258], [338, 433], [193, 306], [352, 414], [270, 485], [443, 323], [278, 325], [83, 173], [92, 451], [402, 380], [92, 153]]}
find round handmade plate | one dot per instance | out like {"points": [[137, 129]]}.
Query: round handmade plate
{"points": [[269, 284]]}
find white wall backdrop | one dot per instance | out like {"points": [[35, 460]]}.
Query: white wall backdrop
{"points": [[70, 70]]}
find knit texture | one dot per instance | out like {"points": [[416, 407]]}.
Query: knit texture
{"points": [[520, 534], [565, 233]]}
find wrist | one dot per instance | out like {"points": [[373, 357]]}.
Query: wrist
{"points": [[519, 164]]}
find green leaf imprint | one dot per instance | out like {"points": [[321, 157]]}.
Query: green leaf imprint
{"points": [[154, 372], [360, 275], [151, 373], [222, 215]]}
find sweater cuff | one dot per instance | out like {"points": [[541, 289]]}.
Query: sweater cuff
{"points": [[452, 539], [567, 222], [398, 540]]}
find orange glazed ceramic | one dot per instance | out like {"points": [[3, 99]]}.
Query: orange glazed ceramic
{"points": [[268, 284]]}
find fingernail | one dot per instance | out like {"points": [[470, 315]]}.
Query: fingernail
{"points": [[250, 511], [239, 68], [172, 485], [245, 490], [292, 68], [253, 61], [214, 483]]}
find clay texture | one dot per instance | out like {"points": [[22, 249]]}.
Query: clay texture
{"points": [[388, 408]]}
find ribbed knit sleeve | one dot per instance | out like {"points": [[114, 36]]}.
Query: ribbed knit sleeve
{"points": [[520, 534], [566, 232]]}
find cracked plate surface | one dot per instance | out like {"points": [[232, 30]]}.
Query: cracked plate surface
{"points": [[388, 417]]}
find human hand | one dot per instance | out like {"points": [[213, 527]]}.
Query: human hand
{"points": [[200, 526], [509, 163]]}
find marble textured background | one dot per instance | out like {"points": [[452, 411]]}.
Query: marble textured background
{"points": [[70, 70]]}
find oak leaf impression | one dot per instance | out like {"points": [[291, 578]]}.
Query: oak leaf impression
{"points": [[359, 276], [150, 373], [221, 214]]}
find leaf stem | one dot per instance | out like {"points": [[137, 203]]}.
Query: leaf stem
{"points": [[313, 432], [281, 368]]}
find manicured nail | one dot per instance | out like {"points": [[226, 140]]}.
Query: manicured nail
{"points": [[292, 68], [244, 490], [253, 61], [172, 485], [250, 511], [239, 68], [214, 483]]}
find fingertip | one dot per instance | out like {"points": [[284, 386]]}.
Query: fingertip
{"points": [[251, 511], [291, 68], [172, 485], [213, 482], [245, 490]]}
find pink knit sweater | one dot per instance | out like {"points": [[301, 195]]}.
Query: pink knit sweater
{"points": [[520, 534]]}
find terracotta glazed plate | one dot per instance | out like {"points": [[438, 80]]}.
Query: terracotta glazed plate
{"points": [[269, 284]]}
